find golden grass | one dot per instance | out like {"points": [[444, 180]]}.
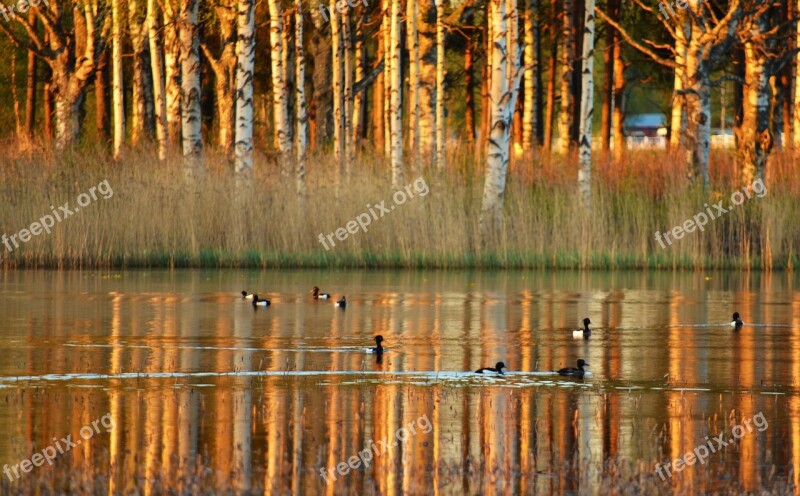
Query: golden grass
{"points": [[156, 219]]}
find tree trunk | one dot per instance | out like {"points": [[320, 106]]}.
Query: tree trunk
{"points": [[529, 123], [224, 68], [302, 118], [101, 98], [378, 130], [469, 97], [191, 113], [142, 121], [796, 103], [426, 26], [117, 78], [386, 25], [551, 82], [280, 111], [347, 81], [338, 90], [440, 60], [30, 95], [412, 12], [172, 71], [396, 108], [157, 70], [245, 56], [587, 105], [506, 73], [618, 105], [321, 106], [678, 111], [567, 100], [608, 77], [359, 109], [697, 99], [755, 141]]}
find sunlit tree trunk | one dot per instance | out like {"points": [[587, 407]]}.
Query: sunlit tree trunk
{"points": [[469, 88], [102, 97], [697, 132], [755, 141], [618, 96], [608, 78], [378, 130], [396, 88], [567, 96], [587, 105], [142, 121], [30, 95], [320, 111], [440, 72], [506, 73], [551, 81], [359, 108], [157, 70], [191, 115], [224, 68], [531, 104], [678, 111], [245, 56], [302, 118], [426, 28], [347, 82], [117, 77], [796, 103], [172, 70], [412, 12], [338, 88], [386, 26], [280, 110]]}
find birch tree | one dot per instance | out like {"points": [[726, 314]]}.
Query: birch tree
{"points": [[412, 12], [142, 121], [531, 103], [117, 90], [280, 107], [567, 95], [426, 93], [245, 64], [587, 105], [224, 69], [396, 109], [505, 76], [338, 93], [191, 115], [347, 83], [440, 71], [157, 69], [172, 70], [72, 55], [300, 94]]}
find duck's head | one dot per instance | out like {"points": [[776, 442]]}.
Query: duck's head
{"points": [[582, 363], [500, 366], [586, 322], [255, 297], [244, 293], [378, 339], [343, 299], [735, 316], [314, 290]]}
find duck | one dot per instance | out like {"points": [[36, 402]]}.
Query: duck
{"points": [[247, 296], [378, 349], [258, 302], [572, 371], [586, 332], [317, 295], [737, 322], [498, 368], [341, 303]]}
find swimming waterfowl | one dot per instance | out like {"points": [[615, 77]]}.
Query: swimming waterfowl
{"points": [[317, 295], [572, 371], [341, 303], [257, 302], [498, 368], [586, 332], [737, 322], [247, 296], [378, 349]]}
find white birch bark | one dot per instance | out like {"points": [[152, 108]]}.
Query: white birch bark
{"points": [[117, 90], [678, 113], [358, 99], [440, 71], [396, 107], [142, 121], [280, 110], [567, 100], [505, 76], [587, 105], [191, 116], [172, 70], [302, 117], [529, 105], [387, 85], [347, 48], [426, 28], [245, 64], [157, 70], [338, 93]]}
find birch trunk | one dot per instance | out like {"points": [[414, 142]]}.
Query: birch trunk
{"points": [[551, 82], [396, 108], [608, 79], [30, 95], [191, 115], [157, 69], [796, 103], [378, 114], [224, 68], [618, 110], [338, 93], [279, 95], [245, 57], [117, 78], [440, 71], [102, 97], [359, 109], [469, 88], [142, 121], [412, 12], [347, 65], [567, 96], [505, 76], [426, 29], [302, 118], [531, 61], [697, 101], [320, 111], [755, 140], [172, 71], [587, 105], [386, 25], [678, 112]]}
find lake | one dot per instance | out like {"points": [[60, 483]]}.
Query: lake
{"points": [[169, 381]]}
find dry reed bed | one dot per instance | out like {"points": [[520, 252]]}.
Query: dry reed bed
{"points": [[158, 219]]}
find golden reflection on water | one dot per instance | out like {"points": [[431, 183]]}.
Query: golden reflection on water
{"points": [[667, 372]]}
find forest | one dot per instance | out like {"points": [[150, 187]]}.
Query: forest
{"points": [[221, 124]]}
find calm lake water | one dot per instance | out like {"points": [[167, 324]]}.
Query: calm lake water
{"points": [[197, 391]]}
